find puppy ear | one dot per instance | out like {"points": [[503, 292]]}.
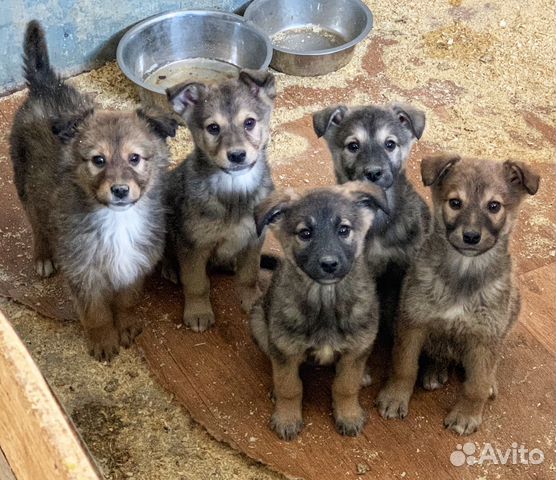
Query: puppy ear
{"points": [[271, 210], [324, 119], [159, 122], [184, 96], [411, 118], [521, 176], [65, 127], [260, 82], [367, 195], [435, 167]]}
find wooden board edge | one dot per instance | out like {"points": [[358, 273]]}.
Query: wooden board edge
{"points": [[36, 436]]}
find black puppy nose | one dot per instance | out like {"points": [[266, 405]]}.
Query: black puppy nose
{"points": [[237, 156], [329, 264], [374, 174], [119, 191], [471, 237]]}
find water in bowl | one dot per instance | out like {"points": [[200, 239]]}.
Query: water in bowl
{"points": [[307, 37], [203, 70]]}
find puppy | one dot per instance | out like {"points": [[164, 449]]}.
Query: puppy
{"points": [[213, 193], [90, 184], [321, 303], [459, 300], [372, 143]]}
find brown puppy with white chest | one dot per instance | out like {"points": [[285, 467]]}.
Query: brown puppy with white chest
{"points": [[459, 300], [91, 185], [322, 303]]}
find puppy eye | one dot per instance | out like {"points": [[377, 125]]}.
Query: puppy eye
{"points": [[305, 234], [455, 203], [494, 207], [353, 146], [134, 159], [249, 123], [213, 129], [344, 231], [389, 145], [98, 161]]}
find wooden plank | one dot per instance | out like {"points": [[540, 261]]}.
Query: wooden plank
{"points": [[6, 472], [538, 291], [35, 435]]}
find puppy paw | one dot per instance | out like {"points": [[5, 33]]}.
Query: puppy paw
{"points": [[366, 381], [286, 428], [435, 376], [393, 402], [169, 273], [352, 425], [128, 334], [249, 297], [198, 316], [493, 391], [462, 421], [104, 343], [45, 267]]}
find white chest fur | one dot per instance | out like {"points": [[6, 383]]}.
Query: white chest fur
{"points": [[324, 355], [240, 183], [122, 237]]}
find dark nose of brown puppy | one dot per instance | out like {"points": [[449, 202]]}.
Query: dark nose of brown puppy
{"points": [[237, 156], [119, 191], [471, 237], [374, 174], [329, 264]]}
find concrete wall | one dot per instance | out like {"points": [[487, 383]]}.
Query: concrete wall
{"points": [[81, 34]]}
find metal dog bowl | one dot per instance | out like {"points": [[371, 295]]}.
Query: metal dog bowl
{"points": [[189, 45], [311, 37]]}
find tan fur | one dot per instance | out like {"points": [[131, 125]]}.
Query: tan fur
{"points": [[459, 300]]}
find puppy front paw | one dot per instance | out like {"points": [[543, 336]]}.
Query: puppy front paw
{"points": [[435, 376], [169, 273], [393, 402], [351, 425], [104, 343], [248, 297], [128, 334], [287, 428], [198, 315], [45, 267], [463, 420], [367, 380]]}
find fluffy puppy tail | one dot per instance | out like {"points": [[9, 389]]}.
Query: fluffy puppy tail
{"points": [[36, 64]]}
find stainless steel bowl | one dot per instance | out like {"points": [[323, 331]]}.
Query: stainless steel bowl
{"points": [[311, 37], [196, 45]]}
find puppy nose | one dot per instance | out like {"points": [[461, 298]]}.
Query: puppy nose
{"points": [[374, 174], [119, 191], [329, 264], [237, 156], [471, 237]]}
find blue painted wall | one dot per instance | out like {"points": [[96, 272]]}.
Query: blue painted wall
{"points": [[81, 34]]}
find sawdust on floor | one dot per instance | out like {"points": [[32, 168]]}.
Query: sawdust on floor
{"points": [[133, 428]]}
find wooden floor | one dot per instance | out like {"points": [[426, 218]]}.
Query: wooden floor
{"points": [[224, 381]]}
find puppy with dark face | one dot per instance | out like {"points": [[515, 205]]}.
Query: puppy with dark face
{"points": [[321, 303], [459, 301], [90, 182], [213, 193], [372, 143]]}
